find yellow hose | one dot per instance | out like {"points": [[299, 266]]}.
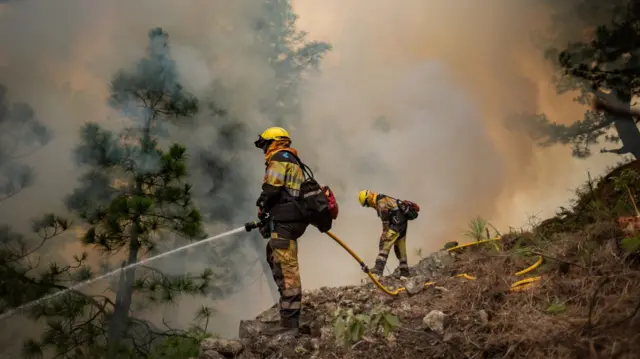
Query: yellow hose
{"points": [[517, 286], [473, 244], [365, 268], [532, 267], [466, 276]]}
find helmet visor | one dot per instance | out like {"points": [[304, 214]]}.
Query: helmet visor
{"points": [[260, 142]]}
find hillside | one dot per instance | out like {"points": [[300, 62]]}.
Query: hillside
{"points": [[584, 303]]}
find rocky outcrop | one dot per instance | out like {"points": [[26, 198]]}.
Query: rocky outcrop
{"points": [[478, 315], [320, 305]]}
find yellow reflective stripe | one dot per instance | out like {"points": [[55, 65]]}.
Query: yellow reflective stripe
{"points": [[290, 305], [284, 174], [291, 292], [275, 174], [295, 177]]}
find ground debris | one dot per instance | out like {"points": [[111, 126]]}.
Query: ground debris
{"points": [[567, 314]]}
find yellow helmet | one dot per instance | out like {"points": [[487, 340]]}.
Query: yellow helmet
{"points": [[271, 134], [362, 197], [275, 133]]}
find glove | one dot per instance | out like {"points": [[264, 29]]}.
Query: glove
{"points": [[265, 231]]}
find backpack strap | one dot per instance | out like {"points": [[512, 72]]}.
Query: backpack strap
{"points": [[306, 171]]}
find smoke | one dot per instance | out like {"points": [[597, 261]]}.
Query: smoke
{"points": [[444, 74]]}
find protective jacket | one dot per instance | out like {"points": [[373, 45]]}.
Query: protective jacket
{"points": [[281, 185], [388, 210]]}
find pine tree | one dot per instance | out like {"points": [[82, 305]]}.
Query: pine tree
{"points": [[131, 196], [603, 64], [21, 133]]}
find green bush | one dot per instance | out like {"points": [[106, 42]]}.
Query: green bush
{"points": [[350, 328], [179, 347]]}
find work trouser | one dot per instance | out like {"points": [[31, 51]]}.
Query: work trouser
{"points": [[396, 237], [282, 256]]}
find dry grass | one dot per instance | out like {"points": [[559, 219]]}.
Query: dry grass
{"points": [[587, 305], [593, 289]]}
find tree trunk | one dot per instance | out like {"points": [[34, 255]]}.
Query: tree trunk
{"points": [[626, 127], [118, 321]]}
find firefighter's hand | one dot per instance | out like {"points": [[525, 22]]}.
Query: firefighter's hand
{"points": [[260, 212], [265, 232]]}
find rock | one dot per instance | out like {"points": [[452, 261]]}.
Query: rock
{"points": [[281, 340], [210, 354], [449, 245], [326, 333], [391, 340], [246, 355], [434, 321], [271, 315], [316, 336], [415, 284], [434, 265], [250, 329], [222, 346]]}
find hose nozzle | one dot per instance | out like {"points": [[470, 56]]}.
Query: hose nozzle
{"points": [[250, 226]]}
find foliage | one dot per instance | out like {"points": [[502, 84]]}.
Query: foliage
{"points": [[350, 328], [19, 263], [477, 229], [631, 244], [602, 64], [556, 307], [187, 344], [132, 195], [289, 54], [624, 182], [21, 133]]}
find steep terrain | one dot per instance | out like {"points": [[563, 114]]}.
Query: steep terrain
{"points": [[584, 304]]}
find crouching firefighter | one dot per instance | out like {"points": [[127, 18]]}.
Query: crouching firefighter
{"points": [[292, 199], [394, 214]]}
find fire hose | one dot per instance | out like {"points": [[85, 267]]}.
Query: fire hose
{"points": [[517, 286]]}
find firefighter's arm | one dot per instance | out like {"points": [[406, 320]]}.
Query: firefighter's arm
{"points": [[272, 185]]}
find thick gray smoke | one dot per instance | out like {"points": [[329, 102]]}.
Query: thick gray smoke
{"points": [[409, 103]]}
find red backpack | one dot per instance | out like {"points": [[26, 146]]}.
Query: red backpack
{"points": [[333, 203], [409, 209]]}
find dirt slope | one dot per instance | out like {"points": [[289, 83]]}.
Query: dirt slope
{"points": [[585, 303]]}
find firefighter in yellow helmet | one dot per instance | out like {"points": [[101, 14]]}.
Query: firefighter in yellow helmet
{"points": [[282, 180], [394, 230]]}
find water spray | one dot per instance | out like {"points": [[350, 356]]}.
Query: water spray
{"points": [[247, 227]]}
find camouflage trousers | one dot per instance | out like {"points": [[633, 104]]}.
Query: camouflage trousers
{"points": [[282, 256], [395, 238]]}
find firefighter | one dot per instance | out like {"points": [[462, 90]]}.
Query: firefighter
{"points": [[282, 180], [394, 230]]}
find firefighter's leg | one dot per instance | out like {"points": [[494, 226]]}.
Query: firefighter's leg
{"points": [[286, 271], [400, 249], [387, 240]]}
